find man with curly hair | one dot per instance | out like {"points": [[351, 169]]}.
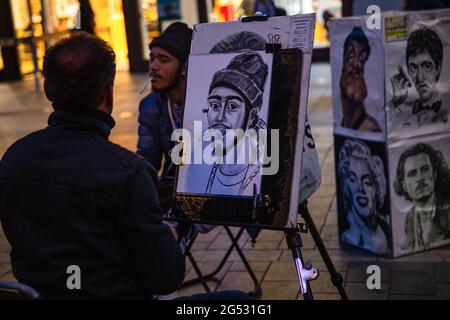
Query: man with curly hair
{"points": [[423, 178], [363, 185]]}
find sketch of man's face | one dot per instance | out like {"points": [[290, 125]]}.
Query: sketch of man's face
{"points": [[226, 110], [353, 85], [424, 74], [361, 186], [419, 177]]}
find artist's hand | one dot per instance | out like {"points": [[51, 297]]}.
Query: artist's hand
{"points": [[173, 229], [400, 84]]}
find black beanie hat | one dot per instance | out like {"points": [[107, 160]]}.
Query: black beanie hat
{"points": [[247, 73], [176, 39]]}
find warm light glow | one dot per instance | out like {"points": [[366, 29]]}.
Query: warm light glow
{"points": [[1, 60], [59, 17], [127, 115], [110, 26], [226, 10], [149, 24], [61, 14], [150, 14], [21, 18]]}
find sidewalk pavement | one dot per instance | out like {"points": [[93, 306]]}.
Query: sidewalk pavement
{"points": [[419, 276]]}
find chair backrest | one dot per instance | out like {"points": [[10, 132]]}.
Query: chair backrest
{"points": [[17, 291]]}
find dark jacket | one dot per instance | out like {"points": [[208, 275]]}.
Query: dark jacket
{"points": [[155, 131], [440, 227], [68, 196]]}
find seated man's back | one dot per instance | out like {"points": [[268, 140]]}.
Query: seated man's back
{"points": [[69, 197]]}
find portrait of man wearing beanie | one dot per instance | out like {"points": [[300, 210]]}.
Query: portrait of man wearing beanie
{"points": [[235, 98], [232, 89]]}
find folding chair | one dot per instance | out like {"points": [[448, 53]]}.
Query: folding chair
{"points": [[166, 191], [203, 279]]}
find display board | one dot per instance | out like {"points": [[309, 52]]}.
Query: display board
{"points": [[391, 104]]}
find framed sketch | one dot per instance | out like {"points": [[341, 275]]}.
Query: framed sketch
{"points": [[417, 73], [357, 79], [236, 83], [290, 32], [244, 41], [255, 92], [420, 193], [362, 196]]}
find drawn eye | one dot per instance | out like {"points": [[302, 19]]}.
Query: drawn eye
{"points": [[232, 106], [428, 66], [215, 106], [411, 173], [413, 68]]}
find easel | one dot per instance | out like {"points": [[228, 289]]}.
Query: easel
{"points": [[305, 270]]}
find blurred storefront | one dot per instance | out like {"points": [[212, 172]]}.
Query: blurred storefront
{"points": [[146, 19], [110, 26], [37, 24], [28, 27], [228, 10]]}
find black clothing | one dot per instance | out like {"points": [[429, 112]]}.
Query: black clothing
{"points": [[68, 196]]}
